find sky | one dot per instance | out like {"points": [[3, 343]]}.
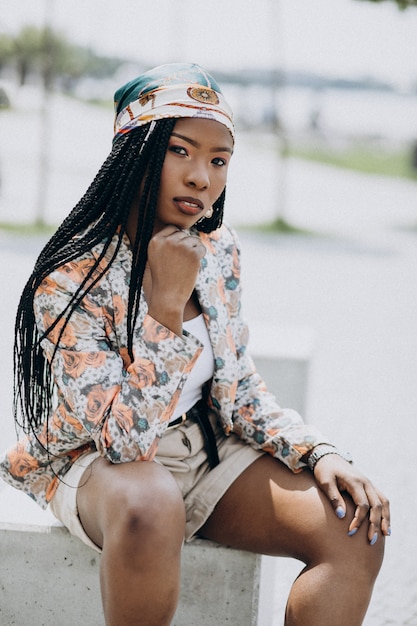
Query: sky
{"points": [[344, 38]]}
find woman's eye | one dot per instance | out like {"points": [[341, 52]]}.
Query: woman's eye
{"points": [[178, 150], [219, 161]]}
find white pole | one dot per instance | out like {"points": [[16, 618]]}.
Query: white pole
{"points": [[278, 130], [45, 133]]}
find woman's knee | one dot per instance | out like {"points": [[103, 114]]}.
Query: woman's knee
{"points": [[363, 557], [132, 502], [145, 502], [315, 535], [353, 554]]}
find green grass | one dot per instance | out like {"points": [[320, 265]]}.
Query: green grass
{"points": [[365, 159], [28, 229], [279, 225], [358, 157]]}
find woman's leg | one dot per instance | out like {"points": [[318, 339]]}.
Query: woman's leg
{"points": [[270, 510], [135, 512]]}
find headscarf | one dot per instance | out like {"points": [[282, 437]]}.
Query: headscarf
{"points": [[170, 91]]}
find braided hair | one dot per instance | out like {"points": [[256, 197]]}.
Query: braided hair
{"points": [[135, 162]]}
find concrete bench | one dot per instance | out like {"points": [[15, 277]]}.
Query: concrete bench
{"points": [[48, 578]]}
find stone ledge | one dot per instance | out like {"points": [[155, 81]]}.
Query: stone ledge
{"points": [[49, 577], [282, 356]]}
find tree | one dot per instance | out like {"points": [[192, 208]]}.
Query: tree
{"points": [[26, 51], [44, 51], [52, 56], [38, 50], [58, 63], [6, 50], [402, 4]]}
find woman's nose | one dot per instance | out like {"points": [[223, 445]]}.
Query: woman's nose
{"points": [[197, 177]]}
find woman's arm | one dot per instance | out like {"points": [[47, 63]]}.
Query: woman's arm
{"points": [[259, 420], [125, 406], [257, 417]]}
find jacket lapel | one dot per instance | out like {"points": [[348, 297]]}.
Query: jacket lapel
{"points": [[211, 292]]}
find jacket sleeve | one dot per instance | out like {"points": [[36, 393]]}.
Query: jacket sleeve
{"points": [[257, 416], [123, 406]]}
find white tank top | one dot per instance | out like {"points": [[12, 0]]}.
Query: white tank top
{"points": [[203, 368]]}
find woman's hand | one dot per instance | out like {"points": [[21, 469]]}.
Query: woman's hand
{"points": [[174, 258], [335, 475]]}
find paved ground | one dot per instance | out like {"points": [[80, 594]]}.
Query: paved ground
{"points": [[362, 305], [354, 284]]}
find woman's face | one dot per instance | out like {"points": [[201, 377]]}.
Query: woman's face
{"points": [[194, 172]]}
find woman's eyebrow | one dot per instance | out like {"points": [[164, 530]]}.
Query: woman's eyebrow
{"points": [[196, 144]]}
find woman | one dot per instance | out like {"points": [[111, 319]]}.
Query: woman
{"points": [[146, 422]]}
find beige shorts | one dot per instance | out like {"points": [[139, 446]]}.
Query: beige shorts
{"points": [[181, 451]]}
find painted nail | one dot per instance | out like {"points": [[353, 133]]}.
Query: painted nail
{"points": [[340, 512], [352, 532], [374, 539], [389, 532]]}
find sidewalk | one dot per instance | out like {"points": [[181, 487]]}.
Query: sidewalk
{"points": [[356, 288], [362, 306]]}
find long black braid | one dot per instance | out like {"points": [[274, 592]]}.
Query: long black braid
{"points": [[135, 162]]}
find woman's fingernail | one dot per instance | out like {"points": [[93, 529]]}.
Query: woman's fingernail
{"points": [[389, 532], [352, 532], [374, 539], [340, 512]]}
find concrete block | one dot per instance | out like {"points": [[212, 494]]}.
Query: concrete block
{"points": [[219, 585], [48, 577], [282, 356]]}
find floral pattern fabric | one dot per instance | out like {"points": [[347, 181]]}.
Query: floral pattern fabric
{"points": [[122, 408]]}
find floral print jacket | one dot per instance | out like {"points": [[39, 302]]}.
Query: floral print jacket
{"points": [[105, 401]]}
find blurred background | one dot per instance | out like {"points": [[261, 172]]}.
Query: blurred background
{"points": [[322, 191], [327, 81]]}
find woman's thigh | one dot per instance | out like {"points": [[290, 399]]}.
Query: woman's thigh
{"points": [[271, 510], [141, 494]]}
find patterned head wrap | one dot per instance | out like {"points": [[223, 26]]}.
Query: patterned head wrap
{"points": [[172, 90]]}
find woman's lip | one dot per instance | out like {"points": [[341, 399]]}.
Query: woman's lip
{"points": [[188, 205]]}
